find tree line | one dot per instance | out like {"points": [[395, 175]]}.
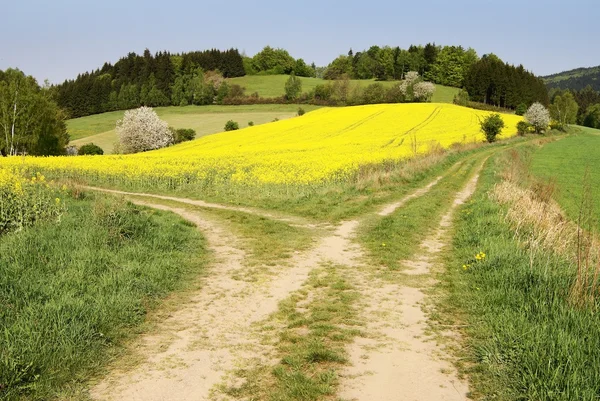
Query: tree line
{"points": [[487, 79], [141, 80], [585, 105], [166, 79]]}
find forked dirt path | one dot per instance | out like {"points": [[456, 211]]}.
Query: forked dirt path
{"points": [[292, 220], [398, 359], [195, 350], [199, 344]]}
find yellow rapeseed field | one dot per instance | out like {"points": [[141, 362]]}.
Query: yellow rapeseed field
{"points": [[328, 144]]}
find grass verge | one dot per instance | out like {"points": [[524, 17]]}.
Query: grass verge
{"points": [[72, 293], [523, 339]]}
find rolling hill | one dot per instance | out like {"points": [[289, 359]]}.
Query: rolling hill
{"points": [[576, 79]]}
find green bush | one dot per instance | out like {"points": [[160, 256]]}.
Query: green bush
{"points": [[231, 126], [293, 87], [521, 109], [523, 127], [183, 134], [301, 111], [462, 98], [491, 126], [90, 149], [250, 123]]}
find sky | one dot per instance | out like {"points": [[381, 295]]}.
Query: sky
{"points": [[56, 40]]}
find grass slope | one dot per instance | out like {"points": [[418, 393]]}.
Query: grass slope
{"points": [[72, 292], [566, 161], [273, 86], [100, 128]]}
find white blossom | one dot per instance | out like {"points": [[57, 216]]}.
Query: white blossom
{"points": [[538, 116], [411, 77], [423, 91], [142, 130]]}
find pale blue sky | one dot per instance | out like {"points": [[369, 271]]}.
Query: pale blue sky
{"points": [[59, 39]]}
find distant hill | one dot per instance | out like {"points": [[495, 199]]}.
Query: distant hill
{"points": [[576, 79]]}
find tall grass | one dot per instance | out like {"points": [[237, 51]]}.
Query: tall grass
{"points": [[525, 339], [72, 292]]}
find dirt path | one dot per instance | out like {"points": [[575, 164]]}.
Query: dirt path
{"points": [[198, 345], [292, 220], [399, 360], [195, 350]]}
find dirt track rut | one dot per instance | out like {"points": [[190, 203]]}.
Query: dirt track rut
{"points": [[198, 346]]}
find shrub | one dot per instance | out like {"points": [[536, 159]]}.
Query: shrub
{"points": [[183, 134], [491, 126], [293, 87], [223, 92], [461, 98], [236, 90], [423, 91], [250, 123], [538, 116], [301, 111], [523, 127], [90, 149], [71, 150], [592, 116], [521, 109], [394, 95], [141, 130], [373, 94], [275, 120], [323, 92], [231, 126]]}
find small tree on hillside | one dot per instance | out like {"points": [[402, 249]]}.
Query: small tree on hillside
{"points": [[491, 126], [538, 116], [592, 116], [141, 130], [564, 109], [423, 91], [90, 149], [293, 87]]}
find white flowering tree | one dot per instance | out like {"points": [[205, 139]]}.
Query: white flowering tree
{"points": [[538, 116], [414, 89], [423, 91], [141, 130]]}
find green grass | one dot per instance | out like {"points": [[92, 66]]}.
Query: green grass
{"points": [[266, 241], [273, 86], [100, 128], [72, 292], [311, 344], [566, 161], [523, 340], [391, 239]]}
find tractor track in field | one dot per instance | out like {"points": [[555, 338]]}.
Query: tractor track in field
{"points": [[195, 350]]}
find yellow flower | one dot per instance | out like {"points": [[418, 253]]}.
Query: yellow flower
{"points": [[325, 145], [57, 201]]}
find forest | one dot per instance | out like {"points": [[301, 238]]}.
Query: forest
{"points": [[165, 79]]}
